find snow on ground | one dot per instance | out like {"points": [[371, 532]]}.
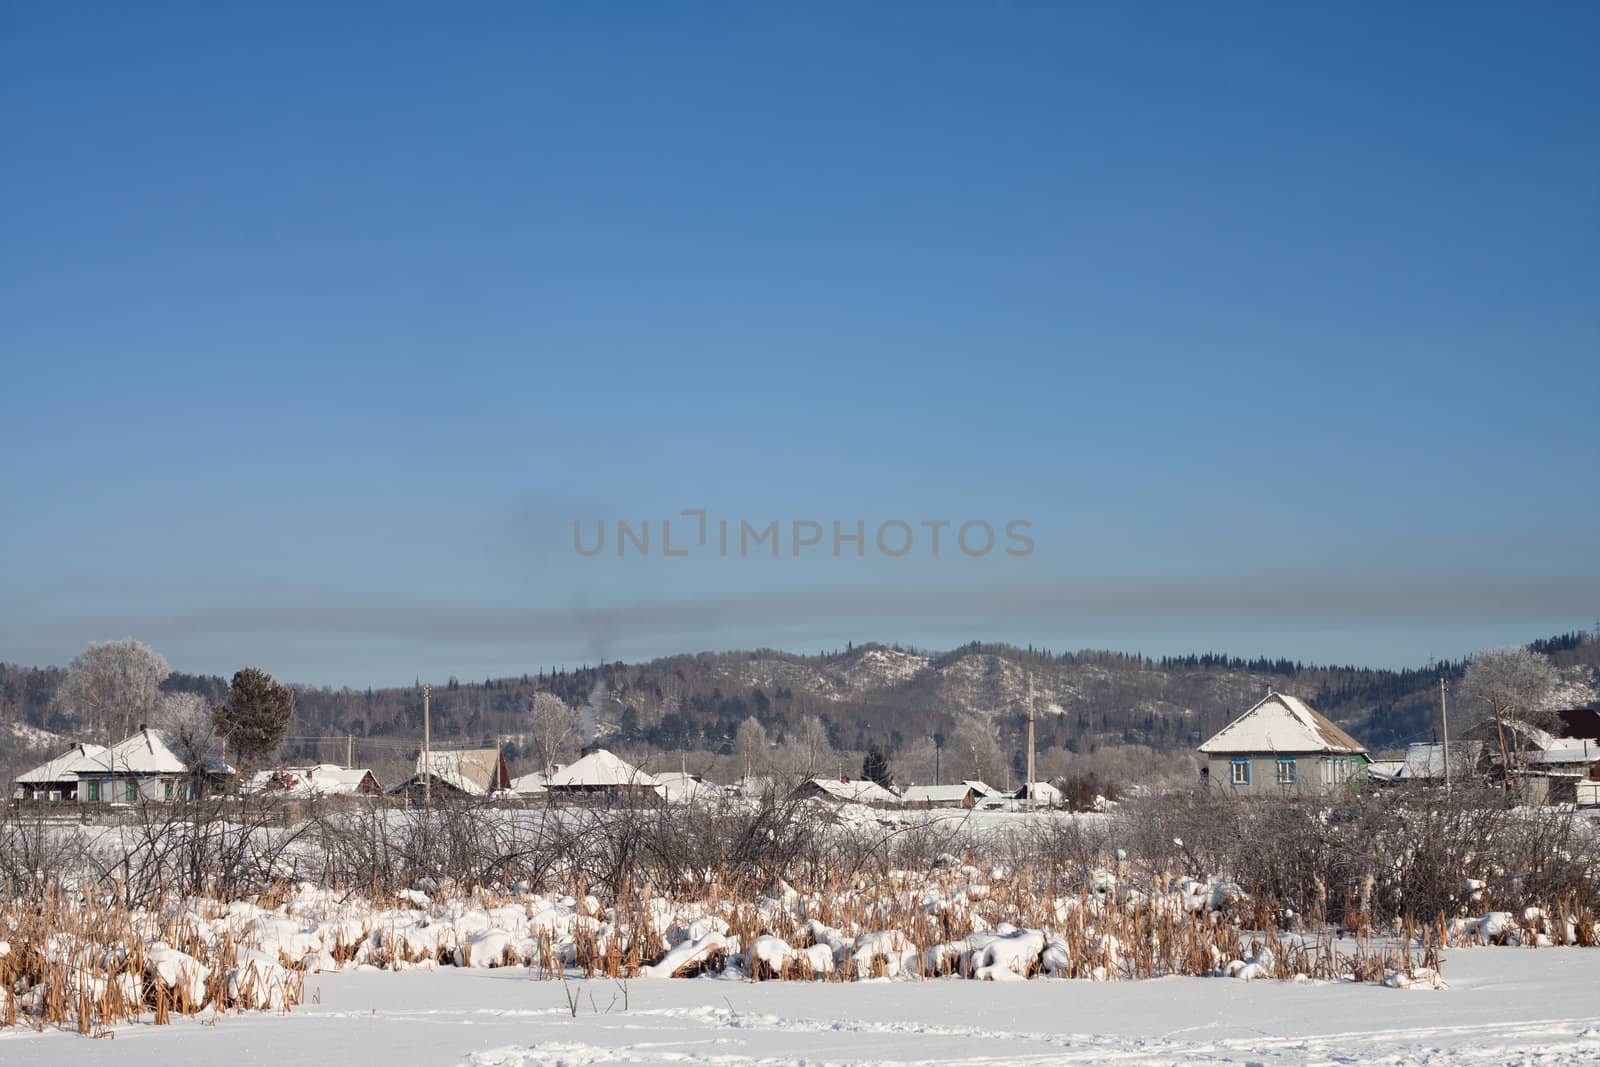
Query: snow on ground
{"points": [[1502, 1006]]}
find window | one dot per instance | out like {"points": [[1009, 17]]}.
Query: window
{"points": [[94, 792], [183, 790], [168, 784], [1336, 770], [1286, 772], [1241, 772], [133, 790]]}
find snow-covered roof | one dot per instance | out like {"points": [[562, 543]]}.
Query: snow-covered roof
{"points": [[63, 768], [857, 790], [1386, 770], [1043, 793], [1531, 736], [532, 783], [936, 794], [598, 769], [1574, 752], [984, 789], [683, 788], [1542, 746], [1281, 723], [146, 752], [676, 777], [475, 771], [754, 785], [338, 781], [324, 780], [1423, 761]]}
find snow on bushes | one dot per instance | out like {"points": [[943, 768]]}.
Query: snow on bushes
{"points": [[1057, 898]]}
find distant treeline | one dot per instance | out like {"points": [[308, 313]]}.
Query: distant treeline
{"points": [[862, 694]]}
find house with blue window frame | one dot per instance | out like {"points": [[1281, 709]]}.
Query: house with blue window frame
{"points": [[1283, 746]]}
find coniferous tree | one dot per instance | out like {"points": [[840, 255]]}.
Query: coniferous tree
{"points": [[256, 716], [875, 768]]}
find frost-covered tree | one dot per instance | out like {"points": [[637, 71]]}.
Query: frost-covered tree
{"points": [[973, 751], [1510, 683], [256, 716], [919, 761], [190, 722], [814, 747], [113, 686], [555, 729], [751, 745]]}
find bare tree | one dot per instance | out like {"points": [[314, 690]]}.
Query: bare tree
{"points": [[750, 746], [974, 751], [114, 685], [555, 728], [813, 745], [918, 760], [1510, 684], [189, 722]]}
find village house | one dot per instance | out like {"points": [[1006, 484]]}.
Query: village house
{"points": [[147, 766], [753, 787], [1547, 762], [535, 784], [321, 780], [1282, 746], [56, 781], [602, 773], [682, 787], [1042, 795], [961, 795], [456, 773], [1424, 762], [846, 791]]}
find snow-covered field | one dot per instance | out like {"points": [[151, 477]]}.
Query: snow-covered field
{"points": [[621, 936], [1502, 1006]]}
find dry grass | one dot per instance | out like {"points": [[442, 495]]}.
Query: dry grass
{"points": [[1364, 890]]}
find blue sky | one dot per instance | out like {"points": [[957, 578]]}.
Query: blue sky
{"points": [[321, 324]]}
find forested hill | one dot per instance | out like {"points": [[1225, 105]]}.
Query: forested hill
{"points": [[895, 696]]}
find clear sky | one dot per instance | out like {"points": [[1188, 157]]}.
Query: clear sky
{"points": [[321, 324]]}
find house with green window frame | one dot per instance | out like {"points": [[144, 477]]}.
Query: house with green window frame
{"points": [[1283, 746], [147, 766]]}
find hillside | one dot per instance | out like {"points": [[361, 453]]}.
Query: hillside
{"points": [[897, 697]]}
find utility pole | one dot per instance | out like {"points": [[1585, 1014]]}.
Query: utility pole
{"points": [[1444, 721], [349, 750], [427, 751], [1030, 740]]}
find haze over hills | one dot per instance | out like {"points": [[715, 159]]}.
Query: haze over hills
{"points": [[1088, 701]]}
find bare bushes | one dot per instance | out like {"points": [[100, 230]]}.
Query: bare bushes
{"points": [[583, 848], [1363, 862], [1371, 860], [385, 850], [33, 851], [143, 853]]}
